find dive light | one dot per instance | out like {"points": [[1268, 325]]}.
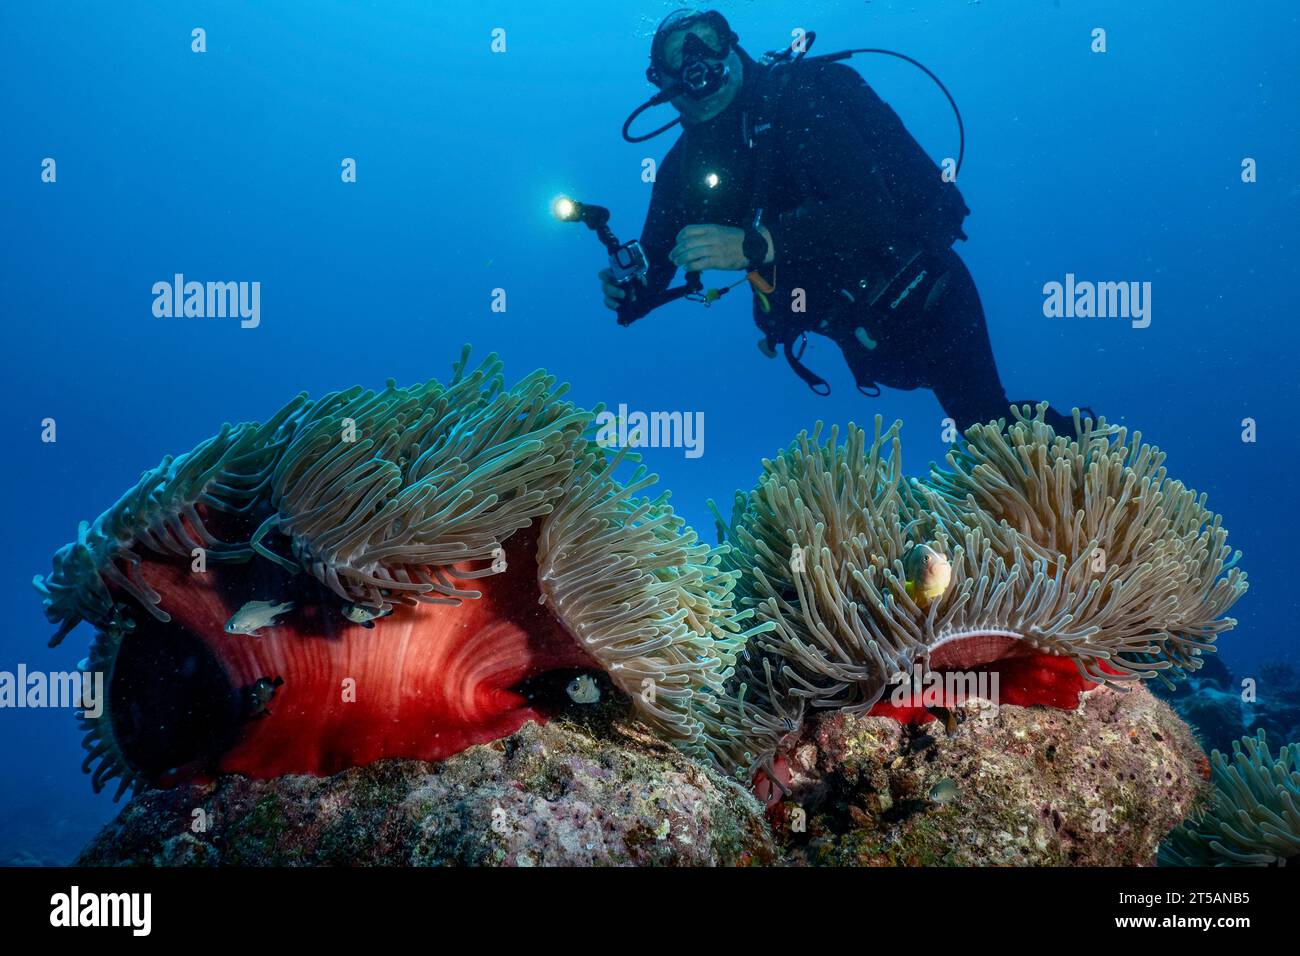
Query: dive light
{"points": [[627, 261]]}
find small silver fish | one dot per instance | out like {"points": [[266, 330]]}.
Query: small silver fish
{"points": [[583, 690], [255, 615], [365, 616]]}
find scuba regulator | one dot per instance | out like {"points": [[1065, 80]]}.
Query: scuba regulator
{"points": [[703, 72]]}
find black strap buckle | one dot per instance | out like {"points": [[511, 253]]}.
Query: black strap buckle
{"points": [[810, 378]]}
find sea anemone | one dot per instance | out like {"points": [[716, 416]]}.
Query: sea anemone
{"points": [[1253, 817], [440, 559], [1074, 561], [641, 595]]}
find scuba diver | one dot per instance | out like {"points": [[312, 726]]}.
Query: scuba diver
{"points": [[794, 172]]}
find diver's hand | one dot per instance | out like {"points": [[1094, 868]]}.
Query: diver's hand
{"points": [[709, 247], [714, 247], [614, 294]]}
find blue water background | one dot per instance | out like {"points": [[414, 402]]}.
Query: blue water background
{"points": [[226, 166]]}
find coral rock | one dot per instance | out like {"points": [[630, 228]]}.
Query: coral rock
{"points": [[552, 795], [1097, 786]]}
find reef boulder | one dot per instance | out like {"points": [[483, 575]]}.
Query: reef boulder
{"points": [[1021, 786], [546, 795], [1026, 786]]}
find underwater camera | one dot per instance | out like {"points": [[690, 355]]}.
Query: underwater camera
{"points": [[627, 261]]}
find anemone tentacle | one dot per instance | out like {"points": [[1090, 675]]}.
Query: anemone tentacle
{"points": [[643, 596], [1078, 548], [105, 759], [434, 477], [1125, 566], [1253, 817], [392, 499], [227, 473]]}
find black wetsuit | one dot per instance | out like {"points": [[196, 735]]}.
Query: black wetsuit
{"points": [[862, 223]]}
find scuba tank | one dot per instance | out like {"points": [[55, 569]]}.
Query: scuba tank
{"points": [[887, 295]]}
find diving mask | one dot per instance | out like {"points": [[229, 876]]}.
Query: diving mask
{"points": [[704, 70]]}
